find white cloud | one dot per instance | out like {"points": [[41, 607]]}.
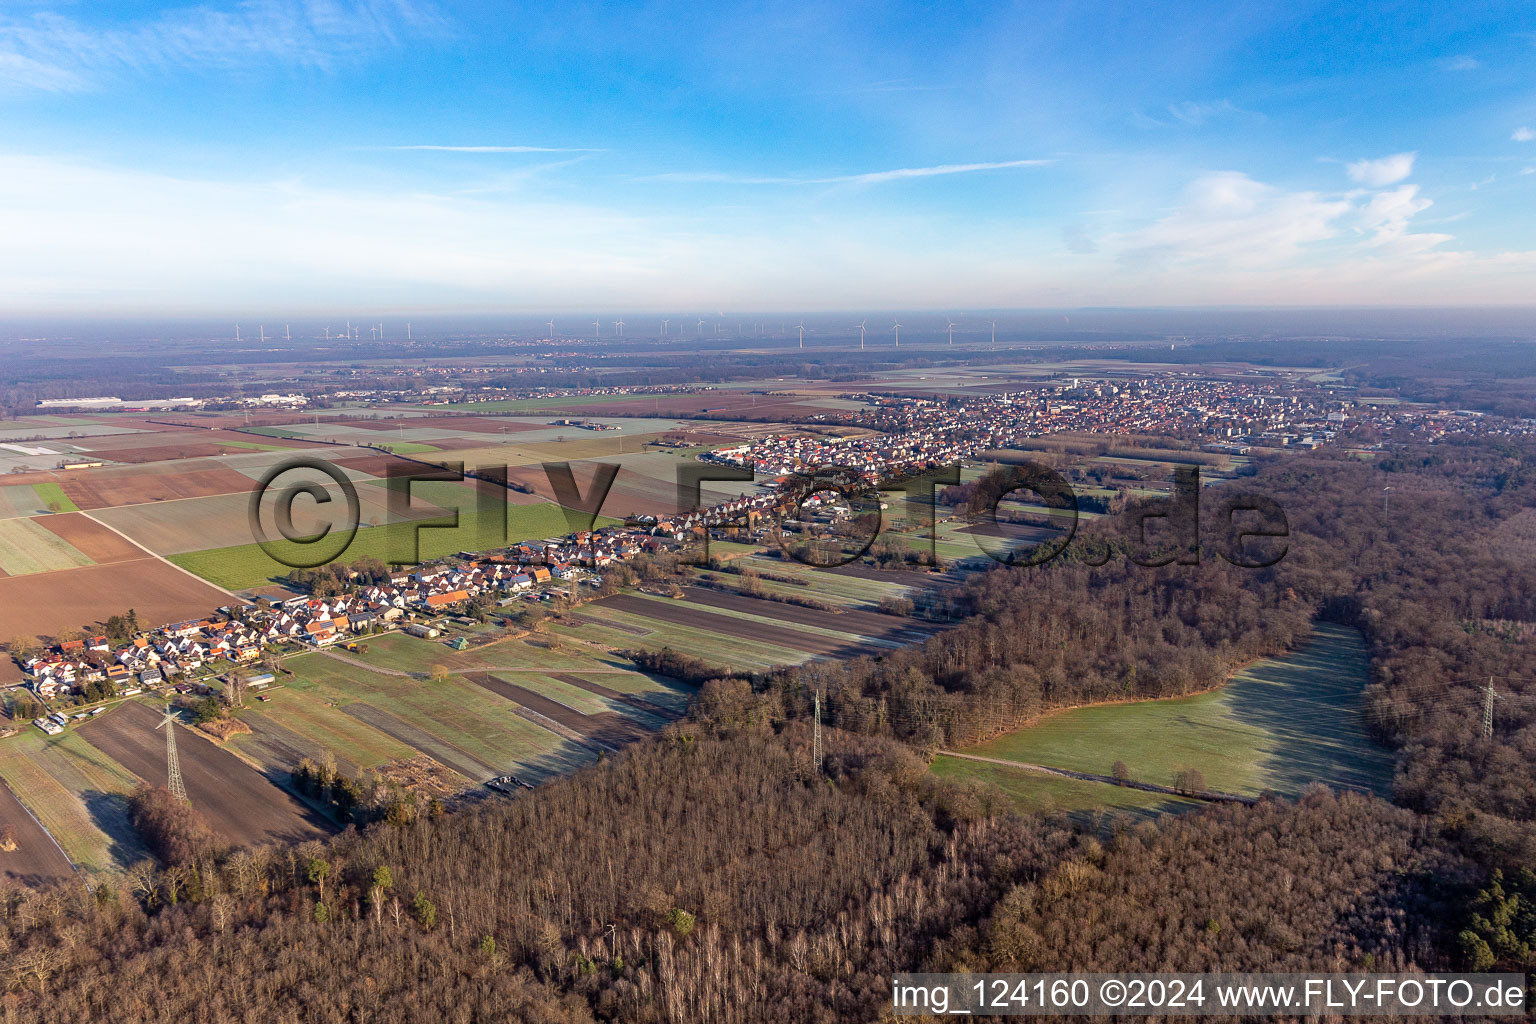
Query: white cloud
{"points": [[1196, 114], [1523, 134], [1388, 170], [1386, 217], [868, 178], [1230, 219], [54, 52], [1460, 62]]}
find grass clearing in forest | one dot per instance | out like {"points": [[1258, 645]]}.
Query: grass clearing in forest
{"points": [[1279, 725]]}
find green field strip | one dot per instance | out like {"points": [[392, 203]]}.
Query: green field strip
{"points": [[253, 446], [406, 447], [405, 653], [26, 547], [53, 497]]}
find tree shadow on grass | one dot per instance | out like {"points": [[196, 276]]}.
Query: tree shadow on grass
{"points": [[109, 813], [1309, 704]]}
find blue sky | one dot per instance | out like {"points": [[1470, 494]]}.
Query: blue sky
{"points": [[403, 155]]}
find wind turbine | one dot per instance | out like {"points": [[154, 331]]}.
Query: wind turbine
{"points": [[407, 330], [951, 327], [597, 325], [701, 327], [286, 335], [664, 323], [237, 333], [801, 328], [862, 323], [897, 328], [551, 330], [618, 325], [994, 336], [263, 329]]}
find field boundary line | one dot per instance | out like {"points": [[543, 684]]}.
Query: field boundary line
{"points": [[1208, 795], [162, 558]]}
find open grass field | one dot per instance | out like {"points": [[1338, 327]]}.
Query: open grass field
{"points": [[1279, 725], [242, 805], [78, 793], [874, 628], [44, 604], [25, 548]]}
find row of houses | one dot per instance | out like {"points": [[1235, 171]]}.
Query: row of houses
{"points": [[241, 633]]}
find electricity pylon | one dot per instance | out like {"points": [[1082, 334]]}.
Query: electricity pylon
{"points": [[172, 762]]}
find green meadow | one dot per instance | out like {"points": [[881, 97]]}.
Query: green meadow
{"points": [[1278, 725]]}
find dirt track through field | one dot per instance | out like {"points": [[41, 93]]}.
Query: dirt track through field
{"points": [[37, 860], [239, 802]]}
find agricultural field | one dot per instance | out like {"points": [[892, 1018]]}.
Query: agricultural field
{"points": [[493, 714], [734, 631], [36, 861], [78, 793], [1279, 725], [25, 548], [44, 604], [837, 586], [242, 806]]}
